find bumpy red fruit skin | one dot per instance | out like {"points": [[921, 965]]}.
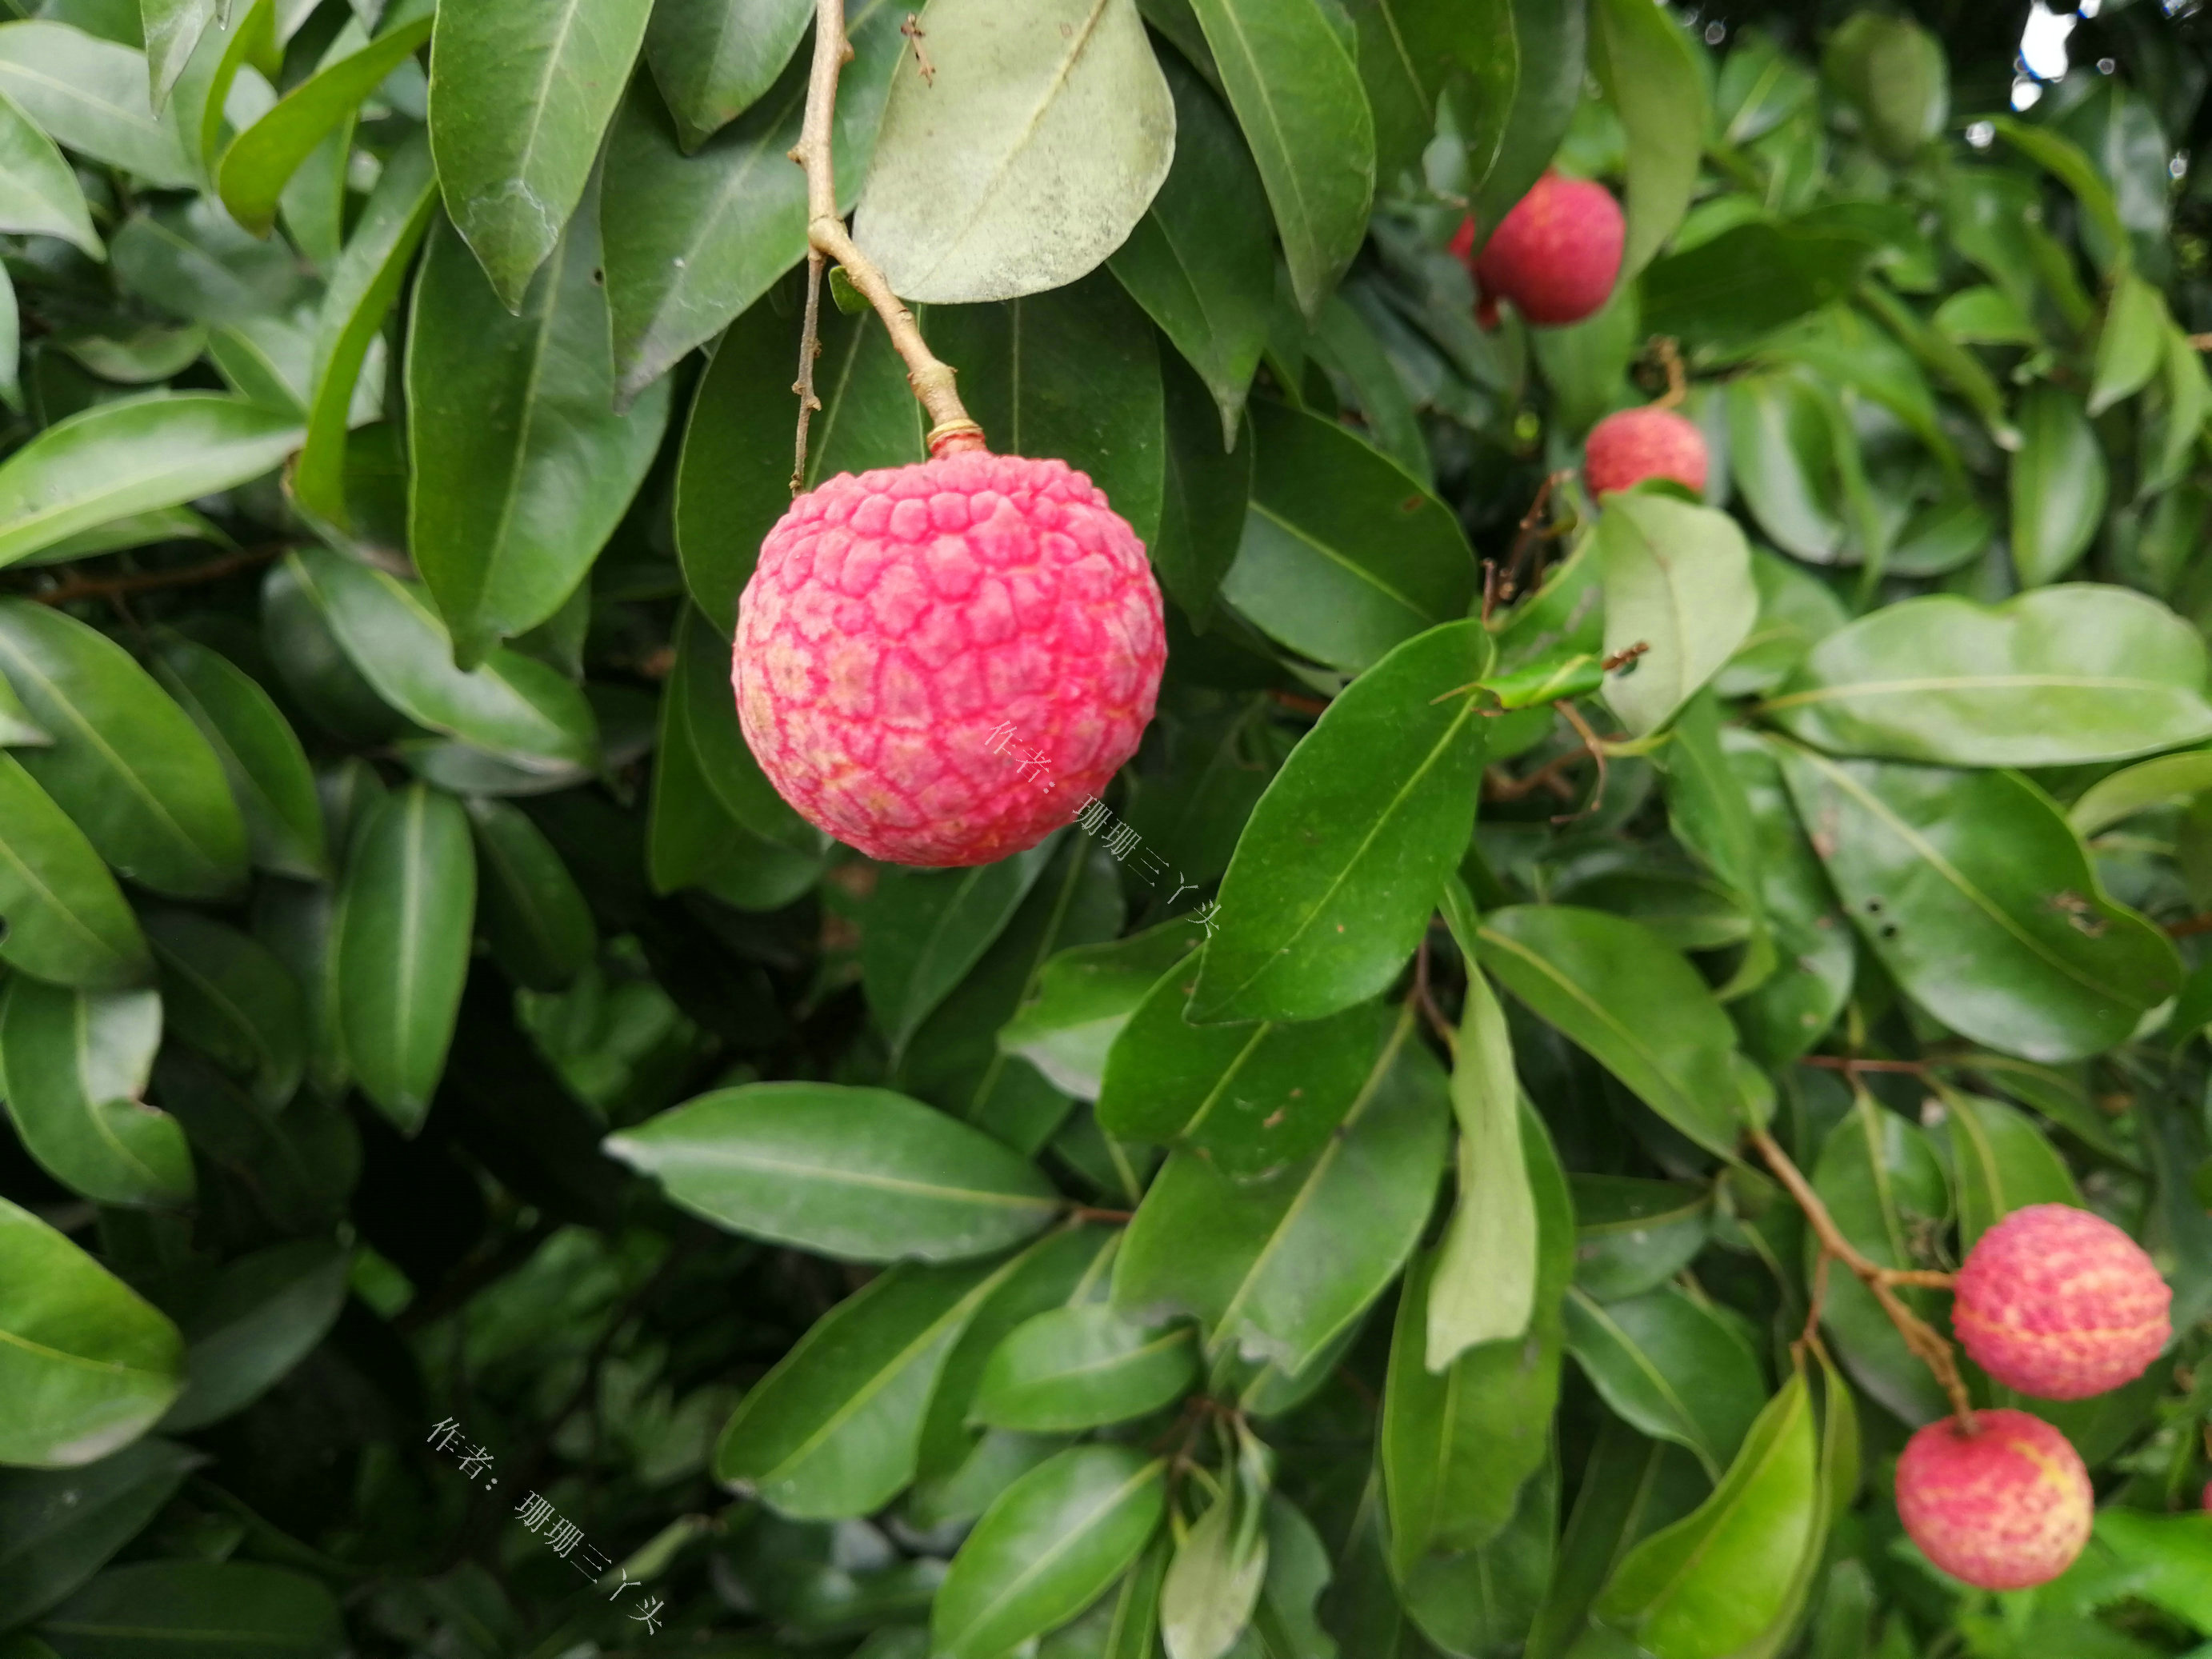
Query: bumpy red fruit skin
{"points": [[937, 663], [2060, 1303], [1556, 255], [1626, 447], [2007, 1506]]}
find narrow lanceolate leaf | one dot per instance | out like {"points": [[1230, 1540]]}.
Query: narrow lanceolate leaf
{"points": [[87, 1364], [126, 764], [1338, 871], [518, 98], [38, 193], [410, 898], [1981, 904], [1650, 70], [74, 1066], [711, 58], [260, 754], [2169, 780], [521, 467], [1048, 1547], [90, 95], [133, 455], [863, 1175], [259, 1316], [1677, 582], [1078, 1368], [59, 1527], [67, 921], [707, 716], [2059, 676], [1672, 1367], [2059, 483], [1485, 1289], [1214, 1578], [1512, 139], [924, 929], [834, 1429], [363, 289], [1632, 1001], [1025, 159], [173, 29], [535, 919], [207, 1606], [227, 994], [1290, 71]]}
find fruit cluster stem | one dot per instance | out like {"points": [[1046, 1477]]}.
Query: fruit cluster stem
{"points": [[1922, 1338], [951, 429]]}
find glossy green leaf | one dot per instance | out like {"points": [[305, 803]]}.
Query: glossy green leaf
{"points": [[1277, 1269], [1483, 1600], [1215, 1576], [74, 1066], [1678, 581], [708, 716], [2169, 780], [1894, 71], [1633, 1234], [260, 754], [519, 99], [711, 58], [1081, 1367], [1981, 904], [39, 194], [91, 96], [251, 1323], [1336, 877], [2131, 347], [126, 763], [862, 1174], [1344, 556], [1672, 1367], [115, 459], [57, 1528], [87, 1365], [2002, 1163], [171, 28], [1632, 1002], [1291, 70], [242, 30], [1649, 69], [1631, 1486], [1052, 1544], [1486, 1285], [66, 920], [410, 898], [1512, 139], [2078, 672], [924, 929], [229, 996], [1084, 1000], [1781, 454], [2059, 483], [539, 926], [198, 1610]]}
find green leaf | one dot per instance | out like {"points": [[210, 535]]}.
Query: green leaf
{"points": [[260, 754], [924, 929], [1084, 999], [91, 96], [535, 917], [1781, 456], [2131, 347], [733, 480], [518, 100], [87, 1366], [126, 763], [1290, 71], [1280, 1268], [252, 1322], [1337, 873], [130, 455], [67, 920], [1789, 1011], [2059, 483], [1510, 137], [1633, 1234], [1716, 1579], [264, 158], [2169, 780], [2082, 671], [862, 1174], [711, 58], [172, 29], [1981, 904], [57, 1528], [39, 196], [1344, 554], [1081, 1368], [2003, 1161], [229, 996], [1645, 61], [74, 1066], [1215, 1576], [1894, 71], [2063, 159], [707, 712], [363, 287], [1630, 1487], [198, 1610], [1197, 262], [1487, 1270], [1678, 580], [1025, 159], [201, 94], [1483, 1600], [1054, 1542], [513, 706], [410, 899], [1672, 1367], [690, 242], [1629, 1000]]}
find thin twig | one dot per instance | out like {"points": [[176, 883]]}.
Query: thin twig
{"points": [[1678, 380], [1532, 531], [810, 350], [2189, 926], [1496, 785], [1425, 1000], [1596, 747], [1111, 1218], [110, 587], [1850, 1064], [951, 429]]}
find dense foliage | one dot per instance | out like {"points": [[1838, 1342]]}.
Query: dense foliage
{"points": [[483, 1177]]}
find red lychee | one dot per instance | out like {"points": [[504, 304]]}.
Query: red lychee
{"points": [[1628, 446], [2060, 1303], [1555, 255], [2004, 1507], [938, 663]]}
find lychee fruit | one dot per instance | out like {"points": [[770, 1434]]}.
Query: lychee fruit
{"points": [[1556, 255], [1632, 444], [938, 663], [2003, 1506], [2061, 1304]]}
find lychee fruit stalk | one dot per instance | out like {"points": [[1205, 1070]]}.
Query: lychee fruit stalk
{"points": [[938, 664], [1632, 444], [1556, 255], [2059, 1303], [2001, 1505]]}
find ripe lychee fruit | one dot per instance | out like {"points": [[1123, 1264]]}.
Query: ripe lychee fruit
{"points": [[938, 664], [2004, 1507], [1628, 446], [2061, 1304], [1555, 255]]}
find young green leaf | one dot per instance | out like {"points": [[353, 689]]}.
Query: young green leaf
{"points": [[1645, 61], [1081, 1368], [1485, 1284], [1084, 999], [1678, 582], [74, 1066], [1214, 1579], [39, 194], [67, 921]]}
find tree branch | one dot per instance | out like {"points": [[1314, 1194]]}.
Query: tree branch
{"points": [[148, 581]]}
